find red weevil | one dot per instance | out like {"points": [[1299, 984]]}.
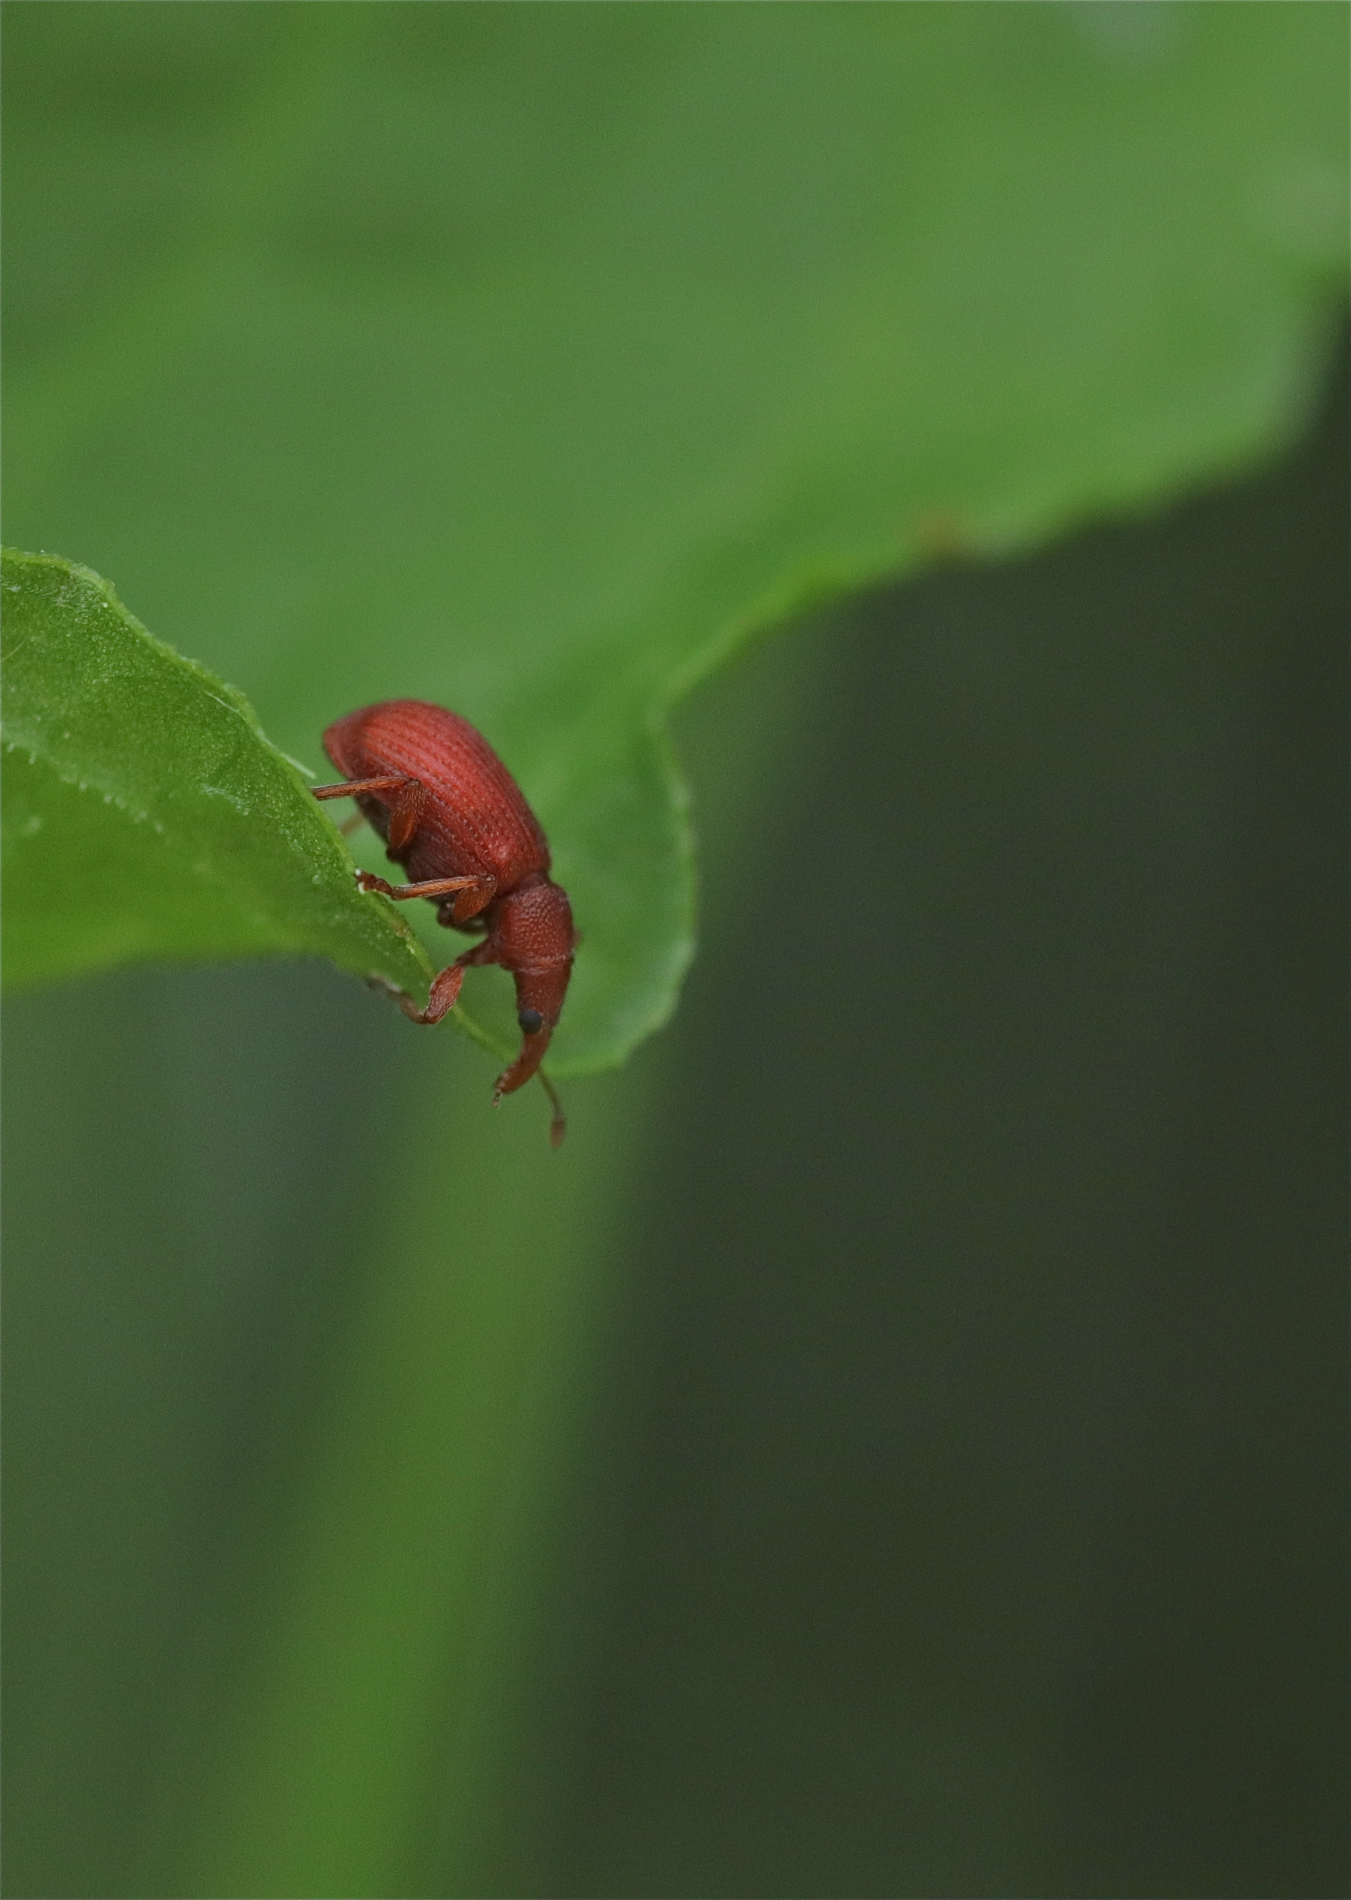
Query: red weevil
{"points": [[453, 816]]}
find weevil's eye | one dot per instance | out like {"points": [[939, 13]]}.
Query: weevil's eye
{"points": [[531, 1021]]}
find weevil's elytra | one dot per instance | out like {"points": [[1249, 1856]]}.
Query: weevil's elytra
{"points": [[453, 816]]}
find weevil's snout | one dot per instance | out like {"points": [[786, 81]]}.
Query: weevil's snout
{"points": [[534, 938]]}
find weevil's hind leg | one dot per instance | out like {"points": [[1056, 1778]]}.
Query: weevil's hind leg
{"points": [[558, 1127], [441, 998], [445, 988]]}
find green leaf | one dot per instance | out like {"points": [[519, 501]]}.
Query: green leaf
{"points": [[145, 812], [530, 359]]}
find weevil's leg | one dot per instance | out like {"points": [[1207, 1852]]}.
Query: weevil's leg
{"points": [[469, 903], [444, 991], [349, 825], [558, 1127], [440, 999], [478, 955], [405, 815], [405, 811], [432, 887], [473, 926], [351, 786]]}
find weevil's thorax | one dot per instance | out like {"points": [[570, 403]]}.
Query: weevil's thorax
{"points": [[532, 936]]}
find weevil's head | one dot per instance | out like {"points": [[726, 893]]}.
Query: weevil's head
{"points": [[533, 937]]}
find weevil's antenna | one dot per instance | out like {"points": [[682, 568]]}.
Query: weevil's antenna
{"points": [[558, 1127]]}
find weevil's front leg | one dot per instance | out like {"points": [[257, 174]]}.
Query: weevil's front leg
{"points": [[471, 893], [405, 817], [353, 787], [405, 808], [445, 988]]}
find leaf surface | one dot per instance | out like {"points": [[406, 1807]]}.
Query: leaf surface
{"points": [[145, 812], [530, 359]]}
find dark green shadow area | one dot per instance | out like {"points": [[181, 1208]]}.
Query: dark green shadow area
{"points": [[970, 1516]]}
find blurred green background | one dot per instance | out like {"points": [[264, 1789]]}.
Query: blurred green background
{"points": [[898, 1447]]}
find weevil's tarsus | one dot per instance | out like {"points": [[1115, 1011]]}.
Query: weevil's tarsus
{"points": [[558, 1127]]}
